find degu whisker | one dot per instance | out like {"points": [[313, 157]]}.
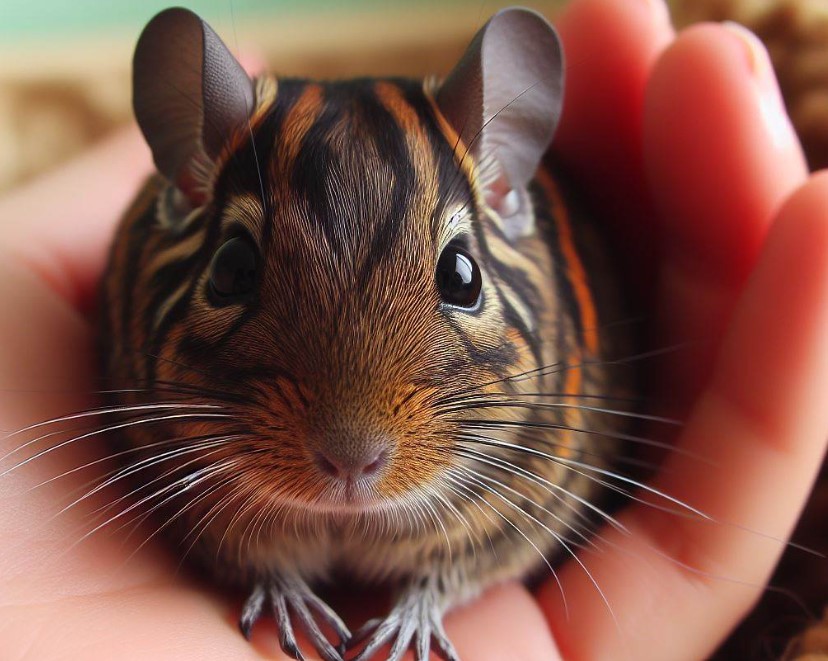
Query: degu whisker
{"points": [[685, 509], [210, 515], [462, 475], [106, 410], [153, 385], [143, 514], [471, 497], [438, 522], [485, 395], [246, 535], [253, 529], [550, 443], [560, 493], [464, 494], [505, 402], [102, 511], [492, 423], [474, 539], [151, 388], [111, 428], [215, 445], [212, 471], [480, 477], [217, 469], [492, 441], [240, 512], [550, 487], [564, 366], [183, 483], [572, 464], [120, 454], [201, 525], [617, 525]]}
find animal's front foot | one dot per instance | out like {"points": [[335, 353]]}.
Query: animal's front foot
{"points": [[414, 623], [286, 595]]}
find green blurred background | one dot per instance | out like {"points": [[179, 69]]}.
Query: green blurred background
{"points": [[20, 19]]}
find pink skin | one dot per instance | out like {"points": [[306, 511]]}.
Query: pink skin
{"points": [[686, 138]]}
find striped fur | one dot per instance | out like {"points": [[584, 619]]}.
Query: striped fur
{"points": [[351, 190]]}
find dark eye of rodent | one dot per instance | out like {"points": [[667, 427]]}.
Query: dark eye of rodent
{"points": [[233, 271], [458, 277]]}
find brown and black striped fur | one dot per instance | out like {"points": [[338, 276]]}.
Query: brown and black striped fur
{"points": [[351, 190]]}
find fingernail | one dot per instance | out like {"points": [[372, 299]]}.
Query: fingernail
{"points": [[758, 60], [771, 101], [659, 10]]}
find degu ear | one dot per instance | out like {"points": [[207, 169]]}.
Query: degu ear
{"points": [[189, 94], [504, 100]]}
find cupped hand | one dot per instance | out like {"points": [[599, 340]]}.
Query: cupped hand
{"points": [[684, 144]]}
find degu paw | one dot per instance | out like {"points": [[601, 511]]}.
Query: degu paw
{"points": [[286, 596], [414, 623]]}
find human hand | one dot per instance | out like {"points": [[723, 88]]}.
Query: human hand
{"points": [[675, 137], [703, 182], [95, 599]]}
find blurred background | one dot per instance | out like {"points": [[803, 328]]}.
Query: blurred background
{"points": [[64, 67]]}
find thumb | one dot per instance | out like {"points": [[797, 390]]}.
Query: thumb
{"points": [[60, 224]]}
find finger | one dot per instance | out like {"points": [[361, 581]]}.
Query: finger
{"points": [[166, 622], [61, 224], [610, 47], [721, 157], [764, 420], [506, 623]]}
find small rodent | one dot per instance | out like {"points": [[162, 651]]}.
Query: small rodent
{"points": [[368, 326]]}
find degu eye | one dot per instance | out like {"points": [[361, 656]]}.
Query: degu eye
{"points": [[458, 277], [233, 270]]}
